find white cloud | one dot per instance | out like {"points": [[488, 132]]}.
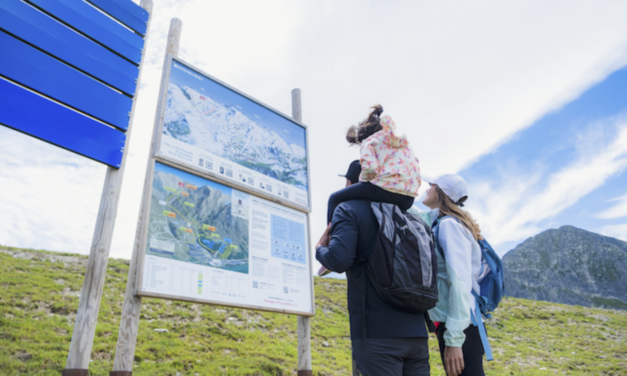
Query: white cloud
{"points": [[50, 196], [615, 231], [515, 211], [617, 211]]}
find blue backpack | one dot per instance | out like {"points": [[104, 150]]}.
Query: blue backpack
{"points": [[492, 286]]}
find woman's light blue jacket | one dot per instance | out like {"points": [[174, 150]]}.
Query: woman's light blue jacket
{"points": [[458, 273]]}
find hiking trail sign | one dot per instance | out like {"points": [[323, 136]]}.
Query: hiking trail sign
{"points": [[226, 168], [224, 217]]}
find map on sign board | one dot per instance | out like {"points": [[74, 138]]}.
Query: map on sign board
{"points": [[207, 241], [213, 128], [198, 221]]}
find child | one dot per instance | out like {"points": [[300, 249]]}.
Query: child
{"points": [[389, 170]]}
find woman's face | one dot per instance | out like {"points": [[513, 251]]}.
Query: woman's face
{"points": [[431, 199]]}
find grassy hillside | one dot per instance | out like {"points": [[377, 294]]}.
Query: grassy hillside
{"points": [[40, 293]]}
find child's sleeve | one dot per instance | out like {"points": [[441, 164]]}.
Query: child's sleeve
{"points": [[369, 161]]}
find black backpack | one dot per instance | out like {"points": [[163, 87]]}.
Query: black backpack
{"points": [[403, 266]]}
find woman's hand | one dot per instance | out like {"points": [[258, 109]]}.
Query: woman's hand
{"points": [[453, 360], [324, 239]]}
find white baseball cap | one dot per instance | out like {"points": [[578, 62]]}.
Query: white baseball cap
{"points": [[452, 184]]}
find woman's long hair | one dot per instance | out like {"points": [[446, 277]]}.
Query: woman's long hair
{"points": [[448, 207], [368, 127]]}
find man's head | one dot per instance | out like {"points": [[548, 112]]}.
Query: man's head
{"points": [[352, 175]]}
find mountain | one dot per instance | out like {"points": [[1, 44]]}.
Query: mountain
{"points": [[223, 130], [570, 266], [40, 293]]}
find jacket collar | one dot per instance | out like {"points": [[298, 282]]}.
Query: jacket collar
{"points": [[434, 214]]}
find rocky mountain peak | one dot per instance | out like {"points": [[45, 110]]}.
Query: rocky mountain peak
{"points": [[571, 266]]}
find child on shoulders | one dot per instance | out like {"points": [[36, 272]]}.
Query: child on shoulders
{"points": [[390, 172]]}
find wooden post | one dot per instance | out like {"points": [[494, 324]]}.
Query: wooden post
{"points": [[129, 322], [304, 324], [87, 315]]}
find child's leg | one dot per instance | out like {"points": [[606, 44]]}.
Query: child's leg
{"points": [[353, 192], [367, 191], [381, 195]]}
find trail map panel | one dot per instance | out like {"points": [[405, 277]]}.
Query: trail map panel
{"points": [[214, 243], [211, 127]]}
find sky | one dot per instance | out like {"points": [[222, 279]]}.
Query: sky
{"points": [[526, 100], [567, 168]]}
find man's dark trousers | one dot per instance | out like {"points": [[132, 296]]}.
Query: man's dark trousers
{"points": [[392, 356], [395, 342]]}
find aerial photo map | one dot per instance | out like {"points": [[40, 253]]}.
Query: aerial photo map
{"points": [[198, 221], [213, 119]]}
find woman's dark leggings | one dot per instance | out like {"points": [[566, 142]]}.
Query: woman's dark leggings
{"points": [[472, 349], [370, 192]]}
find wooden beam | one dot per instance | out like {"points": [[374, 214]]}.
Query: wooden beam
{"points": [[129, 322], [91, 294], [303, 322]]}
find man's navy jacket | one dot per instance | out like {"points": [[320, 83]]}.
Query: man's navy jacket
{"points": [[353, 236]]}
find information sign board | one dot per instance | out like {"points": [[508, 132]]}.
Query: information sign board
{"points": [[211, 243], [213, 128]]}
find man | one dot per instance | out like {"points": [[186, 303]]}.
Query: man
{"points": [[385, 341]]}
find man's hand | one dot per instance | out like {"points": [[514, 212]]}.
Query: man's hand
{"points": [[323, 271], [324, 239], [453, 360]]}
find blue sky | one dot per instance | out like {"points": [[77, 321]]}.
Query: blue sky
{"points": [[291, 132], [567, 168]]}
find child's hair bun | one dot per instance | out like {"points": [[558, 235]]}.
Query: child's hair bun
{"points": [[377, 110], [368, 127], [351, 135]]}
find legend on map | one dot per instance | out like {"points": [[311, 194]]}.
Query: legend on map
{"points": [[288, 239]]}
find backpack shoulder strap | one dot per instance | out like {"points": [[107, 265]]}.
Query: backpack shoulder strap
{"points": [[436, 232], [475, 316]]}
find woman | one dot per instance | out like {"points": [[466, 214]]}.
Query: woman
{"points": [[459, 266]]}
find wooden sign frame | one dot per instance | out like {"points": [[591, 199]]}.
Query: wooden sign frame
{"points": [[144, 243], [158, 158]]}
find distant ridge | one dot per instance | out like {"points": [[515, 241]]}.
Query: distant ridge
{"points": [[570, 266]]}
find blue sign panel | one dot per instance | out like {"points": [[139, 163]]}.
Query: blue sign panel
{"points": [[78, 61], [35, 115]]}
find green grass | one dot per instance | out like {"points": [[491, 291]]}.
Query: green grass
{"points": [[40, 296]]}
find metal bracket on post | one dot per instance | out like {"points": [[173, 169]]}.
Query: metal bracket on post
{"points": [[129, 322], [303, 322], [89, 304]]}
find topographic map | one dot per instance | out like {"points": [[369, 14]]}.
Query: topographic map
{"points": [[198, 221]]}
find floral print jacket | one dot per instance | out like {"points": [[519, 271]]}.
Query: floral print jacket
{"points": [[388, 161]]}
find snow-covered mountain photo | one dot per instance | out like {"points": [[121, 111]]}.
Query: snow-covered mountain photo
{"points": [[225, 131]]}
